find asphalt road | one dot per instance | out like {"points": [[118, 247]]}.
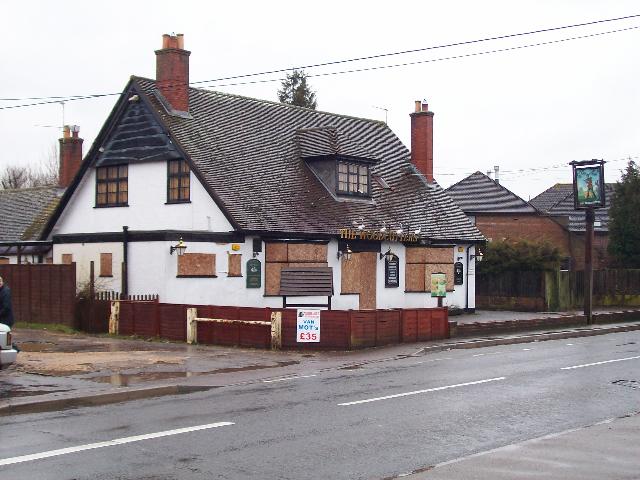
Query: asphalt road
{"points": [[377, 421]]}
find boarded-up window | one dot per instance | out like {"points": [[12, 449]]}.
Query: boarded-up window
{"points": [[4, 260], [106, 265], [421, 262], [67, 258], [281, 255], [235, 262], [197, 265], [358, 275]]}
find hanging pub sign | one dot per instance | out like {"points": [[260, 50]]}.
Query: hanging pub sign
{"points": [[588, 184], [438, 284], [392, 272], [254, 273]]}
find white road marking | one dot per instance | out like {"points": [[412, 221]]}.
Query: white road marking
{"points": [[526, 349], [483, 354], [569, 344], [600, 363], [108, 443], [287, 378], [436, 389]]}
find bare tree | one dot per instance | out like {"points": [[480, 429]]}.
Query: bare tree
{"points": [[44, 174]]}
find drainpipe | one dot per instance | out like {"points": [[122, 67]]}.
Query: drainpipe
{"points": [[466, 283], [125, 261]]}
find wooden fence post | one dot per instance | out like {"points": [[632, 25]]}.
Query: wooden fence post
{"points": [[114, 318], [276, 330], [192, 325]]}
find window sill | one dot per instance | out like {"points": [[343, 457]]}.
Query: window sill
{"points": [[196, 276], [235, 276], [177, 202], [111, 206], [105, 276]]}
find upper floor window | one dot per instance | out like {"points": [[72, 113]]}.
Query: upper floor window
{"points": [[178, 181], [353, 178], [112, 186]]}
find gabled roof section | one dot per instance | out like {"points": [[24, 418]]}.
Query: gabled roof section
{"points": [[557, 201], [24, 212], [478, 193], [247, 153], [323, 141], [137, 137]]}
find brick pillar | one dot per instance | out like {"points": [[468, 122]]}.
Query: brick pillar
{"points": [[422, 139], [172, 72], [70, 155]]}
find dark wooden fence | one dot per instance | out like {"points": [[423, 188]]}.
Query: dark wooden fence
{"points": [[540, 291], [340, 329], [42, 293]]}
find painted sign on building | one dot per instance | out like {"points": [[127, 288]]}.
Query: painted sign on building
{"points": [[254, 273], [308, 326]]}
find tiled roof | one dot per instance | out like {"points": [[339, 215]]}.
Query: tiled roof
{"points": [[557, 201], [24, 212], [477, 193], [249, 153]]}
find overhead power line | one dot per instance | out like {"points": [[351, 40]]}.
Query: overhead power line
{"points": [[57, 99]]}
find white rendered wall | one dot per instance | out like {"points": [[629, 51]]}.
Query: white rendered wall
{"points": [[84, 254], [147, 208]]}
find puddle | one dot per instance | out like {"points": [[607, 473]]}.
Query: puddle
{"points": [[351, 367], [20, 392], [127, 379]]}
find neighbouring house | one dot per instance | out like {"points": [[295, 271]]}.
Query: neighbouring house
{"points": [[209, 198], [557, 202], [24, 212], [502, 215]]}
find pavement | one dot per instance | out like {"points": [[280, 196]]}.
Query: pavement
{"points": [[58, 371]]}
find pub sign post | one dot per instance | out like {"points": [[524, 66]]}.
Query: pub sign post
{"points": [[588, 195]]}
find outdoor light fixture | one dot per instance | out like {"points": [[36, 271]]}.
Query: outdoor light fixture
{"points": [[388, 255], [180, 247], [346, 254], [477, 256]]}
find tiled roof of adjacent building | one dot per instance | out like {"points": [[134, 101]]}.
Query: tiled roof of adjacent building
{"points": [[557, 201], [24, 212], [249, 154], [478, 193]]}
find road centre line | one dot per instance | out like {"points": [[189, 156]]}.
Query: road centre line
{"points": [[287, 378], [600, 363], [436, 389], [109, 443]]}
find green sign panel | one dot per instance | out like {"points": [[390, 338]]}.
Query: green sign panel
{"points": [[254, 273]]}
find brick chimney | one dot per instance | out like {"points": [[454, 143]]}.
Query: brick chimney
{"points": [[172, 72], [422, 139], [70, 155]]}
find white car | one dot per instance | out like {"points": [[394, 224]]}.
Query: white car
{"points": [[8, 354]]}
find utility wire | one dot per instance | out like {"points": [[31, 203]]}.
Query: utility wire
{"points": [[55, 99]]}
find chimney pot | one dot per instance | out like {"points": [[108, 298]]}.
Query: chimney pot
{"points": [[70, 155], [422, 139], [172, 72]]}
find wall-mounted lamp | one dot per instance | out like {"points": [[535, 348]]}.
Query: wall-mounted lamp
{"points": [[477, 256], [346, 254], [388, 255], [180, 247]]}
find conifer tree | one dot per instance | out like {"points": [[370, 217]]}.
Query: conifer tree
{"points": [[295, 91], [624, 219]]}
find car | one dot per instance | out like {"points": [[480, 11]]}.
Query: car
{"points": [[8, 354]]}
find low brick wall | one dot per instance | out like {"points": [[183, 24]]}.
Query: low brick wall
{"points": [[340, 329]]}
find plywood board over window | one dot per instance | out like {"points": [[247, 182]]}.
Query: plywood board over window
{"points": [[279, 255], [197, 265], [421, 262], [106, 265], [67, 258], [235, 265]]}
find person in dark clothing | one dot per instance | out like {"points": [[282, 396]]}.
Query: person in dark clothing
{"points": [[6, 311]]}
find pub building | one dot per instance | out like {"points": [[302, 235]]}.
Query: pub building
{"points": [[210, 198]]}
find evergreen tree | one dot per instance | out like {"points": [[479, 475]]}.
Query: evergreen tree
{"points": [[624, 219], [295, 91]]}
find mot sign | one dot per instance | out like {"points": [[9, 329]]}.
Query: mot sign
{"points": [[308, 326]]}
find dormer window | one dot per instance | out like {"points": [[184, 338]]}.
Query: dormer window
{"points": [[353, 178]]}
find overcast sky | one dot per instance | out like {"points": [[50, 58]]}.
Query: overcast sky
{"points": [[528, 110]]}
